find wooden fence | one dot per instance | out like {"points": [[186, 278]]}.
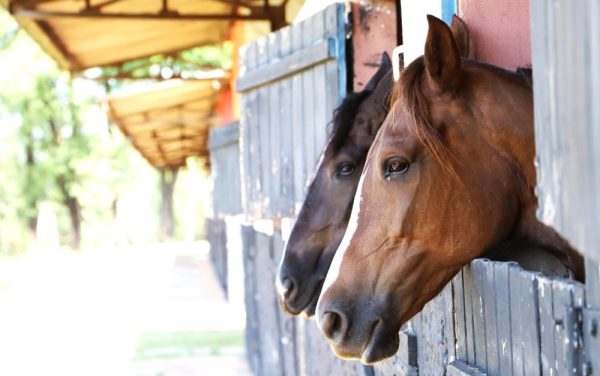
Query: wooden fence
{"points": [[494, 318], [290, 83], [278, 344]]}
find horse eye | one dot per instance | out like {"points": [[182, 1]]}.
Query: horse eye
{"points": [[346, 169], [395, 166]]}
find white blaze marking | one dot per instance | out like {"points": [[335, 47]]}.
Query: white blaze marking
{"points": [[334, 269]]}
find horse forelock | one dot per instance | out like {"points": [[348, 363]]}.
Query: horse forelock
{"points": [[408, 93], [344, 117]]}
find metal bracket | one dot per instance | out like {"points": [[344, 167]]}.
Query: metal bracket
{"points": [[591, 339]]}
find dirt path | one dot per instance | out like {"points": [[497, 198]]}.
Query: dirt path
{"points": [[134, 312]]}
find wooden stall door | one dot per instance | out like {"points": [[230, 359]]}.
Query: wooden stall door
{"points": [[290, 83], [566, 75]]}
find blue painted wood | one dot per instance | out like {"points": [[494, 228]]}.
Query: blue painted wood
{"points": [[448, 9]]}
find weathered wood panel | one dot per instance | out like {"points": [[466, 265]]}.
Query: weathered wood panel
{"points": [[216, 234], [291, 82], [278, 344], [225, 170], [566, 57]]}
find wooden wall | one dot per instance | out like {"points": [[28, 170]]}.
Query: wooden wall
{"points": [[278, 344], [225, 170], [290, 81], [566, 76]]}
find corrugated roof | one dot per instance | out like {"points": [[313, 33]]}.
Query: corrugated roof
{"points": [[169, 122]]}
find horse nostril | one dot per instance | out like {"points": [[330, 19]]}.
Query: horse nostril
{"points": [[332, 325], [287, 287]]}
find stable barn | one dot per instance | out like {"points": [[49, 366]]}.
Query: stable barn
{"points": [[494, 318]]}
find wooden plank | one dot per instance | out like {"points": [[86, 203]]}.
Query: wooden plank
{"points": [[253, 332], [547, 327], [297, 122], [561, 295], [244, 139], [491, 323], [333, 99], [263, 178], [273, 207], [224, 135], [407, 350], [286, 160], [264, 152], [458, 368], [503, 317], [478, 297], [469, 322], [431, 327], [529, 316], [516, 324], [287, 324], [322, 118], [252, 121], [460, 319], [448, 325], [341, 37], [304, 59], [565, 60], [310, 155], [268, 308]]}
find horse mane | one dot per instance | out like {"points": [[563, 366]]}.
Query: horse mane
{"points": [[408, 90], [344, 116], [409, 94]]}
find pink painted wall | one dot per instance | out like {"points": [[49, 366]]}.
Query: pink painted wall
{"points": [[374, 31], [499, 30]]}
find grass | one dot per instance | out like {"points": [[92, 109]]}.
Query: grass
{"points": [[181, 344]]}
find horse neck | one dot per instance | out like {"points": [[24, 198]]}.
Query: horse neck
{"points": [[512, 128], [509, 130]]}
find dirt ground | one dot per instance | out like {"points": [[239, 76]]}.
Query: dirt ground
{"points": [[145, 311]]}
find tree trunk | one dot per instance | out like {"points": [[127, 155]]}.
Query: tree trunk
{"points": [[168, 177], [31, 202], [74, 212]]}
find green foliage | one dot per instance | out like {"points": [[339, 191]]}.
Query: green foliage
{"points": [[182, 64], [56, 143], [57, 147]]}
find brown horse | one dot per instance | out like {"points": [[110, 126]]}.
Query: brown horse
{"points": [[449, 177], [325, 213]]}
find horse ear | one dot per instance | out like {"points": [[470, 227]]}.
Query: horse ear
{"points": [[385, 59], [442, 57], [461, 35], [384, 67]]}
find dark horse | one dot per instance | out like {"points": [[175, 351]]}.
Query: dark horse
{"points": [[324, 216], [449, 177], [325, 212]]}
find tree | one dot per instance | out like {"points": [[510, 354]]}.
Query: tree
{"points": [[56, 136]]}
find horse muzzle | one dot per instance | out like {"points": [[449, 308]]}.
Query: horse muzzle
{"points": [[355, 333]]}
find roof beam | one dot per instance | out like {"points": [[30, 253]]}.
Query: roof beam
{"points": [[257, 14]]}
